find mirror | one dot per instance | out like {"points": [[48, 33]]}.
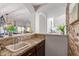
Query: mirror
{"points": [[73, 12], [17, 15]]}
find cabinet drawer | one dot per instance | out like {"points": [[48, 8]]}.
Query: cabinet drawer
{"points": [[30, 52]]}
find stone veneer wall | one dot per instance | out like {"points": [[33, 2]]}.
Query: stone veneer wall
{"points": [[73, 34], [74, 39]]}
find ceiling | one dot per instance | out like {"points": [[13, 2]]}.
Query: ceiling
{"points": [[14, 11], [37, 5], [24, 11], [53, 9], [19, 9]]}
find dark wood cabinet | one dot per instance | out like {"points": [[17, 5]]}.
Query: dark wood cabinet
{"points": [[38, 50]]}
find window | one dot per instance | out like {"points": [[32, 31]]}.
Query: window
{"points": [[20, 29], [2, 30], [50, 24]]}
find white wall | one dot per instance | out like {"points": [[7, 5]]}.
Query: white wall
{"points": [[56, 45], [36, 22]]}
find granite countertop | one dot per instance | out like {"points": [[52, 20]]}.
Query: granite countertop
{"points": [[56, 34], [32, 43]]}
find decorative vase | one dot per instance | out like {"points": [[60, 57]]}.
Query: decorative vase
{"points": [[10, 33]]}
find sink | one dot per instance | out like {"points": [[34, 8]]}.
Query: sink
{"points": [[18, 46]]}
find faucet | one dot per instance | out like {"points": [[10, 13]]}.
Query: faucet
{"points": [[1, 46], [16, 40]]}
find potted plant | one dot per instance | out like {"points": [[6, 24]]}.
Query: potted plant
{"points": [[10, 28], [61, 27]]}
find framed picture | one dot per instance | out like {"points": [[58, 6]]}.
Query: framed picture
{"points": [[73, 13]]}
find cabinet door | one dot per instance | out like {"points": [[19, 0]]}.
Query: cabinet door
{"points": [[40, 48], [31, 52]]}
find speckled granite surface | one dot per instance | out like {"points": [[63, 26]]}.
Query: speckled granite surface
{"points": [[32, 39]]}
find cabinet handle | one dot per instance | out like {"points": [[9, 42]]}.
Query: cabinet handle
{"points": [[41, 45], [29, 54]]}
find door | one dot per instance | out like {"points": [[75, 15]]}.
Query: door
{"points": [[42, 23]]}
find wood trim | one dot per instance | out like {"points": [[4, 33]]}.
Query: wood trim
{"points": [[67, 17], [78, 11], [77, 16], [67, 24], [74, 22]]}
